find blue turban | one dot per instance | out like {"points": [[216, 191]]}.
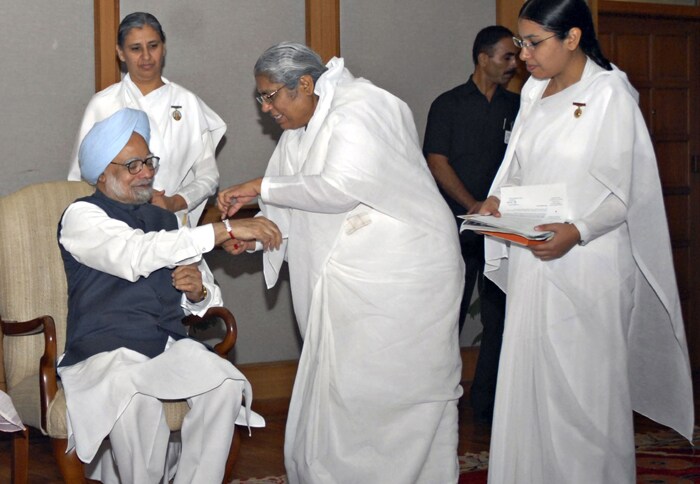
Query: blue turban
{"points": [[107, 138]]}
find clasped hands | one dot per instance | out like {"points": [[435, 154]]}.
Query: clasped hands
{"points": [[565, 237], [249, 230]]}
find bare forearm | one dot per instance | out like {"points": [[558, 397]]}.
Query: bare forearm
{"points": [[449, 182]]}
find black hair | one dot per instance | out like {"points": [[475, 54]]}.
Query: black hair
{"points": [[138, 20], [560, 16], [486, 40]]}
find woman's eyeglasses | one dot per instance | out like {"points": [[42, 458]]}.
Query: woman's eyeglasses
{"points": [[529, 45], [267, 98]]}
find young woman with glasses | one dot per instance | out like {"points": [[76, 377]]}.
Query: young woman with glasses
{"points": [[593, 327]]}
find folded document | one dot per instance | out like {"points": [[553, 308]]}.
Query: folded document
{"points": [[514, 228]]}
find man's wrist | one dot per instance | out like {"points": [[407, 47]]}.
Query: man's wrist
{"points": [[221, 232], [227, 225], [205, 293]]}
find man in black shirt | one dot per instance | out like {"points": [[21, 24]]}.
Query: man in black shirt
{"points": [[465, 140]]}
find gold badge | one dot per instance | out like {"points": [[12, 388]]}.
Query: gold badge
{"points": [[177, 115], [578, 112]]}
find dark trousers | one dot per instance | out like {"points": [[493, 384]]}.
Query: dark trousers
{"points": [[493, 311]]}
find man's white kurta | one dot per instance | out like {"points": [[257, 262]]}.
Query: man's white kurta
{"points": [[99, 389], [376, 277], [186, 147], [598, 332]]}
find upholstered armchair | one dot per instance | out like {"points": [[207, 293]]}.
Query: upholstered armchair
{"points": [[33, 308]]}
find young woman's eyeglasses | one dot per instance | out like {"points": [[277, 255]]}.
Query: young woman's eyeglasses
{"points": [[136, 165], [529, 45], [267, 98]]}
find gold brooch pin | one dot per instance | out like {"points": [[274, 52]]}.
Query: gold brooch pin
{"points": [[177, 115], [579, 111]]}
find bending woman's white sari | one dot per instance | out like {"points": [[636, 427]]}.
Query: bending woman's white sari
{"points": [[376, 278], [598, 332]]}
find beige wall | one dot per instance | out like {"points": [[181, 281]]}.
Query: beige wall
{"points": [[413, 48], [47, 70]]}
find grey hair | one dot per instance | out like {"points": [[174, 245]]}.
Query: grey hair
{"points": [[137, 20], [286, 62]]}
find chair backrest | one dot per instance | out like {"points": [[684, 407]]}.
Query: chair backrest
{"points": [[32, 278]]}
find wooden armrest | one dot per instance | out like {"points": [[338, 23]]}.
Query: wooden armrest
{"points": [[228, 342], [48, 382], [22, 328]]}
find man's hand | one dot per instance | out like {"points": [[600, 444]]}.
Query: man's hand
{"points": [[188, 279], [250, 230], [565, 237], [235, 246], [229, 201]]}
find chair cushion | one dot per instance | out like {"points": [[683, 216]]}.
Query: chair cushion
{"points": [[175, 411], [25, 396]]}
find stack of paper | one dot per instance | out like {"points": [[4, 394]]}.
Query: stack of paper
{"points": [[523, 208], [510, 227]]}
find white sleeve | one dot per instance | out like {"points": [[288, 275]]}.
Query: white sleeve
{"points": [[206, 175], [111, 246], [610, 214], [306, 192]]}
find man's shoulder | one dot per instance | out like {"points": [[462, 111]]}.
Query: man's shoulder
{"points": [[77, 210], [87, 198], [456, 93], [456, 99], [509, 96], [158, 218]]}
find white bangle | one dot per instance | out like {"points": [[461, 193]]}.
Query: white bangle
{"points": [[227, 224]]}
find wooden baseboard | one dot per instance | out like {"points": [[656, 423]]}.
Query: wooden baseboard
{"points": [[270, 381], [275, 380]]}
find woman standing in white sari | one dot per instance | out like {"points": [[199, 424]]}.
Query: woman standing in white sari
{"points": [[376, 277], [593, 321], [184, 130]]}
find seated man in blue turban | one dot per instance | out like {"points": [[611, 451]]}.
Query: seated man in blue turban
{"points": [[132, 275]]}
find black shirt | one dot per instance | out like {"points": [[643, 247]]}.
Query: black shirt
{"points": [[471, 132]]}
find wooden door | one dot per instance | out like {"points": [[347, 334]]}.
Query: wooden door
{"points": [[660, 57]]}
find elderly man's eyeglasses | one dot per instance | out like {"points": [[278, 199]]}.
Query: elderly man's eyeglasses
{"points": [[135, 165], [524, 44], [267, 98]]}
